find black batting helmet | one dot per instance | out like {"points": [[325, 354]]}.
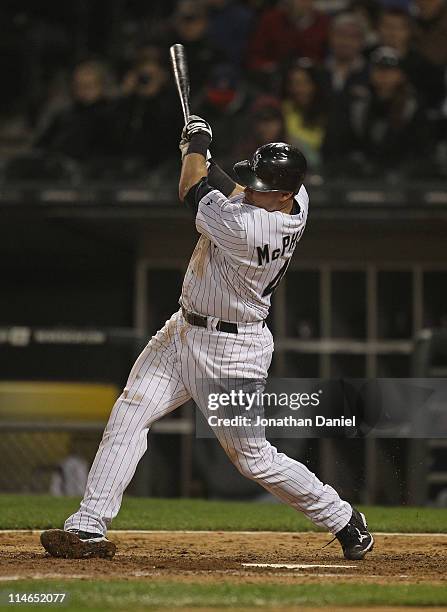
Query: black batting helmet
{"points": [[276, 166]]}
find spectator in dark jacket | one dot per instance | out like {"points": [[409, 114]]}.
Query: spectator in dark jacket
{"points": [[346, 66], [190, 27], [395, 30], [147, 121], [384, 128], [294, 28], [82, 130]]}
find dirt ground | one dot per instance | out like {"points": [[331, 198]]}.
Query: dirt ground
{"points": [[220, 556]]}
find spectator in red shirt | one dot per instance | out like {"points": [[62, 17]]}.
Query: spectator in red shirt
{"points": [[294, 28]]}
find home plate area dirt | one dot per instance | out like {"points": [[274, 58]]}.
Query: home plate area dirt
{"points": [[239, 557]]}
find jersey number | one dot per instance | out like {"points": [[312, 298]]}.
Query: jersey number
{"points": [[275, 282]]}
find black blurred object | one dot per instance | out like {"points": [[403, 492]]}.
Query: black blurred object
{"points": [[42, 166], [147, 128], [81, 131], [144, 78]]}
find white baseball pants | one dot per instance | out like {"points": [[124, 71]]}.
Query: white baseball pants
{"points": [[165, 376]]}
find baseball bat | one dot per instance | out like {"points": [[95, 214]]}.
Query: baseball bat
{"points": [[181, 76]]}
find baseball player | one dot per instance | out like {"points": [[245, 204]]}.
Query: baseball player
{"points": [[248, 233]]}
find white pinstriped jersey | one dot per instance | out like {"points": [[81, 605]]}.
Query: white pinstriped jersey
{"points": [[241, 256]]}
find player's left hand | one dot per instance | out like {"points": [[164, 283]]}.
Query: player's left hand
{"points": [[196, 125]]}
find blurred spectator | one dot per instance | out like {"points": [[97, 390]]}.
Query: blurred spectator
{"points": [[189, 26], [384, 129], [224, 103], [367, 11], [293, 28], [395, 30], [147, 121], [346, 65], [230, 24], [430, 33], [345, 70], [304, 109], [81, 130], [150, 53], [265, 124]]}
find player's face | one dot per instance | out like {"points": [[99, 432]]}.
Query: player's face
{"points": [[268, 200]]}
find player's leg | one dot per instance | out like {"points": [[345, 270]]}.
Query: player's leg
{"points": [[289, 480], [294, 484], [235, 358], [153, 389]]}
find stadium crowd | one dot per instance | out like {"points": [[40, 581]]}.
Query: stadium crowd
{"points": [[359, 86]]}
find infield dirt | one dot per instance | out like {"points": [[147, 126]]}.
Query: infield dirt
{"points": [[220, 556]]}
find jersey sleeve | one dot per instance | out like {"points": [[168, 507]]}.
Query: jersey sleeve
{"points": [[302, 198], [218, 218]]}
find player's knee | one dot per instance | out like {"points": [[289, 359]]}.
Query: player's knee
{"points": [[256, 465]]}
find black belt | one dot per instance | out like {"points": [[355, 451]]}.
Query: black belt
{"points": [[199, 321]]}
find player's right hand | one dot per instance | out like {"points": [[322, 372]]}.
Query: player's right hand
{"points": [[183, 145], [196, 125]]}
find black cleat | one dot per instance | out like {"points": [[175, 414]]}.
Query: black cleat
{"points": [[76, 544], [355, 538]]}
